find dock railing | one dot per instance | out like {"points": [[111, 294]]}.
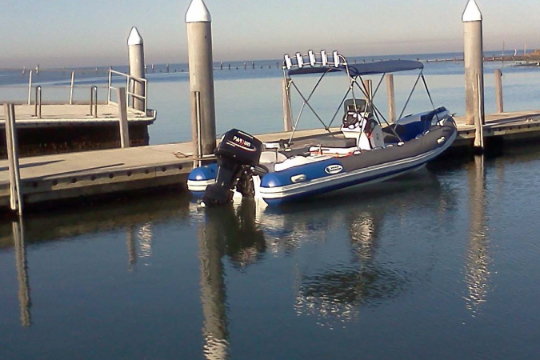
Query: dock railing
{"points": [[132, 83], [108, 80]]}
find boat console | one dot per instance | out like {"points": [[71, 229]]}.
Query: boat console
{"points": [[358, 124]]}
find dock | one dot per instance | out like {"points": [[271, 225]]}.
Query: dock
{"points": [[49, 127], [58, 115], [84, 174]]}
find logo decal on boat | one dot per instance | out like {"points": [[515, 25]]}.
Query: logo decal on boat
{"points": [[333, 169], [241, 143]]}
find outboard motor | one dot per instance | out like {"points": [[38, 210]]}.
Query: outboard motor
{"points": [[236, 152]]}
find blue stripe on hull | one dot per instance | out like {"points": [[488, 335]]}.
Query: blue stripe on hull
{"points": [[206, 172], [278, 201]]}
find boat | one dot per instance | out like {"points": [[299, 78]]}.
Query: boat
{"points": [[366, 148]]}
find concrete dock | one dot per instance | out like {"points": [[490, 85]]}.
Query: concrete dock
{"points": [[77, 114], [83, 174]]}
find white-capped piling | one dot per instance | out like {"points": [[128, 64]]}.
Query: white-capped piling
{"points": [[201, 78], [474, 67], [136, 68]]}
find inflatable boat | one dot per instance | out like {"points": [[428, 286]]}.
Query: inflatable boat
{"points": [[365, 149]]}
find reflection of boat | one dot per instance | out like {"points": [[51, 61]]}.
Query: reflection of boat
{"points": [[366, 150], [339, 269]]}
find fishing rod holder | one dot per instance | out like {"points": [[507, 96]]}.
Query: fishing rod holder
{"points": [[312, 59]]}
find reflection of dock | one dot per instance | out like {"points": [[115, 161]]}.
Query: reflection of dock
{"points": [[72, 175]]}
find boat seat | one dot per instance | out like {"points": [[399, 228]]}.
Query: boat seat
{"points": [[390, 138], [270, 158], [337, 142]]}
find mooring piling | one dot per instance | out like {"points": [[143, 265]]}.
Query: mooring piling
{"points": [[287, 114], [474, 68], [499, 90], [391, 99], [16, 203], [368, 88], [479, 120], [201, 78], [122, 112], [136, 68]]}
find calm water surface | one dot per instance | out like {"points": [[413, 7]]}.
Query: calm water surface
{"points": [[439, 264]]}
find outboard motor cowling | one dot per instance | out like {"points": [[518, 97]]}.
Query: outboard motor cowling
{"points": [[236, 151]]}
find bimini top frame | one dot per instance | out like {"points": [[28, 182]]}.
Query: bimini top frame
{"points": [[322, 63]]}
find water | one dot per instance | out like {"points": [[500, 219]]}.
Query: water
{"points": [[251, 99], [442, 263]]}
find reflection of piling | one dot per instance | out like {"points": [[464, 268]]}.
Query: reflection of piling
{"points": [[213, 293], [473, 58], [287, 114], [131, 248], [136, 67], [363, 232], [477, 273], [201, 78], [22, 272]]}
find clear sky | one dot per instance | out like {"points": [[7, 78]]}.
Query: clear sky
{"points": [[86, 33]]}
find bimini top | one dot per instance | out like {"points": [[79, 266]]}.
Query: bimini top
{"points": [[380, 67]]}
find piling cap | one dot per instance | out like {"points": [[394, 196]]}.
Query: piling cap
{"points": [[134, 37], [472, 12], [198, 12]]}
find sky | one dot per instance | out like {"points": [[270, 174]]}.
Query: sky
{"points": [[58, 33]]}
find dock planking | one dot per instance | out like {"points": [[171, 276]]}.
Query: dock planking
{"points": [[82, 174]]}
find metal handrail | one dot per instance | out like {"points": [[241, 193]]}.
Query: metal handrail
{"points": [[130, 85], [93, 100], [30, 87], [37, 106], [71, 88]]}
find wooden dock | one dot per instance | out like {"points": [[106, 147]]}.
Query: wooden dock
{"points": [[82, 174]]}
